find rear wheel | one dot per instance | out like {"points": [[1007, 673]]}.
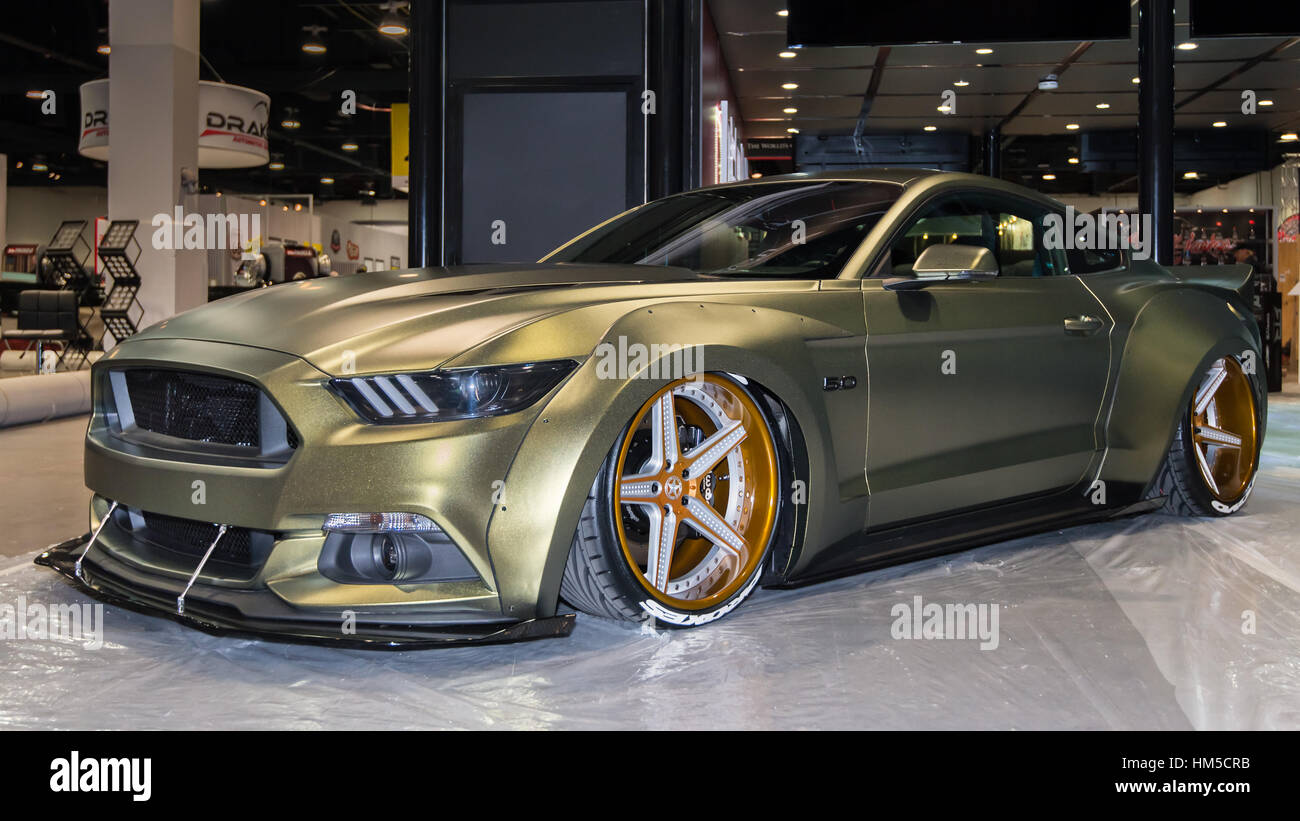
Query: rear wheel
{"points": [[682, 516], [1211, 465]]}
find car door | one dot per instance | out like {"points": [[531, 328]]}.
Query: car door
{"points": [[979, 391]]}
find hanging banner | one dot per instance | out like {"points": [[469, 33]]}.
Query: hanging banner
{"points": [[232, 124], [400, 127]]}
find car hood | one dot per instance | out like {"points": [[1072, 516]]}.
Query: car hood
{"points": [[407, 319]]}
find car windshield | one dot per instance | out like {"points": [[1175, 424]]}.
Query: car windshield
{"points": [[793, 230]]}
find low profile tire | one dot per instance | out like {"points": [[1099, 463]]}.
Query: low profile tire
{"points": [[680, 520], [1211, 465]]}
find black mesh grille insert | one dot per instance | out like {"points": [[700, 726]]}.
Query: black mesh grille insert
{"points": [[195, 406], [193, 538]]}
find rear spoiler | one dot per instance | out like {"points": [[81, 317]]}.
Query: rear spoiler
{"points": [[1239, 278]]}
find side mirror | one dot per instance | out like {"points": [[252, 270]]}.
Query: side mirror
{"points": [[947, 263]]}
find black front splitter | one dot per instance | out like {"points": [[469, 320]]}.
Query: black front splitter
{"points": [[113, 582]]}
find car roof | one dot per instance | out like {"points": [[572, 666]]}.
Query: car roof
{"points": [[905, 177]]}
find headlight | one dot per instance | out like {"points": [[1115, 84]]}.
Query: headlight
{"points": [[462, 393]]}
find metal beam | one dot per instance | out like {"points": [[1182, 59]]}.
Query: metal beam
{"points": [[1156, 122], [427, 133], [869, 98], [1058, 70], [1239, 70]]}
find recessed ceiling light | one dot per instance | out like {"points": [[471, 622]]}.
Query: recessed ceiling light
{"points": [[983, 51], [1103, 105], [755, 175], [1188, 46], [218, 193], [290, 123], [787, 55], [792, 131], [944, 109], [1265, 102], [313, 48], [105, 49], [276, 166], [1073, 161], [1225, 210], [349, 146], [40, 166], [1289, 137], [393, 28], [783, 13], [327, 180], [297, 206], [1220, 124], [961, 83], [1190, 175], [931, 128], [262, 203], [36, 94], [1049, 177], [1072, 127], [790, 110], [1136, 80], [789, 86]]}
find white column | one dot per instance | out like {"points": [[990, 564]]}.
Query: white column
{"points": [[153, 134]]}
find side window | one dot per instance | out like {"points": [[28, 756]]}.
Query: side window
{"points": [[1011, 229], [1083, 261]]}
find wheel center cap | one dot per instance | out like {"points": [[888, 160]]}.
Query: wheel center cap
{"points": [[673, 487]]}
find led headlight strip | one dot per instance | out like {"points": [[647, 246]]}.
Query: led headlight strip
{"points": [[459, 393]]}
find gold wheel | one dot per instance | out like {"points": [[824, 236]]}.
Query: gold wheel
{"points": [[695, 498], [1224, 430]]}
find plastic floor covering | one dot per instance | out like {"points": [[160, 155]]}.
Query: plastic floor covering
{"points": [[1152, 622]]}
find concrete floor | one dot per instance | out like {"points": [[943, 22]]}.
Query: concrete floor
{"points": [[1154, 622]]}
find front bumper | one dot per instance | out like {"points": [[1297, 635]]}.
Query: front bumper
{"points": [[233, 611]]}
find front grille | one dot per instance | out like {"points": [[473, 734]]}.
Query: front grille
{"points": [[193, 538], [195, 406]]}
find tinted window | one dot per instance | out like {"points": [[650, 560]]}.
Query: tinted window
{"points": [[1083, 261], [780, 229], [1012, 230]]}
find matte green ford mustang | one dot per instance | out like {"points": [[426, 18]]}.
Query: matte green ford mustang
{"points": [[764, 383]]}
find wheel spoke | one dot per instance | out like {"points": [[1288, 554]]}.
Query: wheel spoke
{"points": [[1211, 387], [714, 449], [663, 537], [663, 434], [636, 490], [1211, 435], [1206, 473], [713, 527]]}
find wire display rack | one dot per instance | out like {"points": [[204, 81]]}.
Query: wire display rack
{"points": [[121, 311], [67, 253]]}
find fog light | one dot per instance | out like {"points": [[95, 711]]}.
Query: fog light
{"points": [[379, 523], [388, 555]]}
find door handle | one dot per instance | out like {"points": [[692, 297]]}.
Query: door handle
{"points": [[1082, 325]]}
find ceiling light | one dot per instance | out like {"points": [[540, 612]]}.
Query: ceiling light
{"points": [[792, 131], [290, 123], [789, 86], [1188, 46], [218, 193], [1103, 106], [1073, 161], [790, 110], [1225, 210], [284, 208], [349, 146], [18, 164], [961, 83], [297, 206], [392, 23], [931, 128], [1289, 137], [787, 55], [262, 203], [1136, 80], [313, 47], [1220, 124], [783, 13], [276, 166], [36, 94], [1049, 177], [944, 109], [326, 180], [1190, 175], [40, 166], [105, 49], [1072, 127], [983, 51], [1265, 102]]}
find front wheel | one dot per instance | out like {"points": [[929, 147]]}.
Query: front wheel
{"points": [[1211, 465], [678, 523]]}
